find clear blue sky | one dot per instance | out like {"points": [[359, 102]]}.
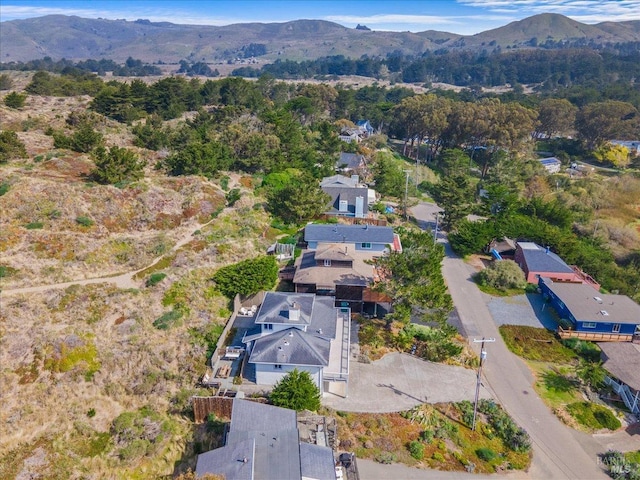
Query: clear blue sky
{"points": [[457, 16]]}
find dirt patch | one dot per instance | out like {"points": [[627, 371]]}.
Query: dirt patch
{"points": [[478, 262]]}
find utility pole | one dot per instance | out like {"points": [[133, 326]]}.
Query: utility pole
{"points": [[483, 356], [435, 232], [406, 194]]}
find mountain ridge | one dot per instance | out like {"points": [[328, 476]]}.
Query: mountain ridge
{"points": [[78, 38]]}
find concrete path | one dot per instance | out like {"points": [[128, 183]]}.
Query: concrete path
{"points": [[558, 452], [399, 381]]}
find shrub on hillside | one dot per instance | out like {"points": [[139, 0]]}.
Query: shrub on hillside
{"points": [[247, 277], [502, 275]]}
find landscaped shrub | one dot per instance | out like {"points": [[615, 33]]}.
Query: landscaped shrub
{"points": [[504, 427], [485, 454], [607, 419], [34, 226], [416, 449], [4, 188], [593, 416]]}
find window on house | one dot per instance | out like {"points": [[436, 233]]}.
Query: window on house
{"points": [[327, 262], [366, 245], [589, 325], [616, 328], [268, 326], [277, 367]]}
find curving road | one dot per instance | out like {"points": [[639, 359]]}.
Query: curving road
{"points": [[558, 451]]}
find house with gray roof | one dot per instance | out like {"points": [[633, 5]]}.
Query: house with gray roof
{"points": [[622, 363], [349, 197], [592, 315], [537, 262], [263, 443], [300, 331], [352, 163], [337, 262], [359, 237]]}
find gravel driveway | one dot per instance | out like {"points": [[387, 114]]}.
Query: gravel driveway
{"points": [[529, 310]]}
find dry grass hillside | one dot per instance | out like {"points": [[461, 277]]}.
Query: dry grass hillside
{"points": [[75, 359]]}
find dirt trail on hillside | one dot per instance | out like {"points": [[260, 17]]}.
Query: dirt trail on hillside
{"points": [[124, 280]]}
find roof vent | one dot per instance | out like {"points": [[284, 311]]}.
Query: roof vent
{"points": [[291, 334], [604, 313], [286, 343], [597, 299]]}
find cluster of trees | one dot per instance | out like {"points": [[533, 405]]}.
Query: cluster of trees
{"points": [[558, 68], [197, 68], [131, 67]]}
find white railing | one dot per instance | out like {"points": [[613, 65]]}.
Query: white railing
{"points": [[625, 394]]}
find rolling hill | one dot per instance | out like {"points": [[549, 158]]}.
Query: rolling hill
{"points": [[75, 38]]}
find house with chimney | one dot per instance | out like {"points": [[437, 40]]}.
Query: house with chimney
{"points": [[349, 197], [337, 262], [300, 331]]}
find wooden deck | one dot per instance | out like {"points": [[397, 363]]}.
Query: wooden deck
{"points": [[595, 336]]}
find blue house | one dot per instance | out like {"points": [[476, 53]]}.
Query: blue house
{"points": [[592, 315]]}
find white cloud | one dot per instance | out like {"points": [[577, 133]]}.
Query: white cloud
{"points": [[587, 11]]}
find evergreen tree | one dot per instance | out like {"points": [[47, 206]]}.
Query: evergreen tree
{"points": [[11, 146], [297, 391], [15, 100], [116, 165]]}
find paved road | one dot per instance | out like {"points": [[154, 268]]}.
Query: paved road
{"points": [[558, 452]]}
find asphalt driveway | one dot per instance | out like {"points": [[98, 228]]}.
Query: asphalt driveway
{"points": [[400, 381]]}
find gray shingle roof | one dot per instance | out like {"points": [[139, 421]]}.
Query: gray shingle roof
{"points": [[348, 233], [276, 306], [268, 438], [291, 347], [350, 161], [622, 360], [317, 462], [248, 416], [229, 461], [588, 305], [539, 259], [349, 195], [338, 181]]}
